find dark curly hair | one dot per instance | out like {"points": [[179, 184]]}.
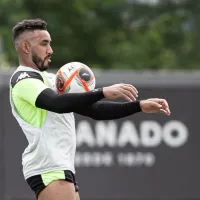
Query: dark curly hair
{"points": [[28, 25]]}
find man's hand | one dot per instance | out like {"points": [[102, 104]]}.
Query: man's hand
{"points": [[155, 105], [122, 90]]}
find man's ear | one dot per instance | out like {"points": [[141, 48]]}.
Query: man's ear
{"points": [[25, 47]]}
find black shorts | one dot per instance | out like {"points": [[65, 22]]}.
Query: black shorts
{"points": [[39, 182]]}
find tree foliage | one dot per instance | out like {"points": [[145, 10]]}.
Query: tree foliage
{"points": [[112, 33]]}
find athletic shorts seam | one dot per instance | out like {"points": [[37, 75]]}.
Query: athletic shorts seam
{"points": [[46, 171]]}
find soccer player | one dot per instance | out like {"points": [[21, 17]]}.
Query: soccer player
{"points": [[47, 119]]}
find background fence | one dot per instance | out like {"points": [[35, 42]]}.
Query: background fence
{"points": [[143, 157]]}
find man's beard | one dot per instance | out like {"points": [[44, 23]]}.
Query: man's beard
{"points": [[40, 63]]}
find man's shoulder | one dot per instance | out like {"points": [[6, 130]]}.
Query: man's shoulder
{"points": [[22, 73]]}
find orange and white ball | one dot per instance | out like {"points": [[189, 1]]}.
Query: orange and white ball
{"points": [[75, 77]]}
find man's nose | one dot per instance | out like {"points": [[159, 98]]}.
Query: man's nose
{"points": [[50, 51]]}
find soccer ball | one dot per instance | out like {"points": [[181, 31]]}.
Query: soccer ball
{"points": [[74, 77]]}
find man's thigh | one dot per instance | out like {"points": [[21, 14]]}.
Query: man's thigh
{"points": [[58, 190], [54, 185]]}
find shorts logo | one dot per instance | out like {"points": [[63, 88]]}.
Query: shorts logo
{"points": [[22, 76]]}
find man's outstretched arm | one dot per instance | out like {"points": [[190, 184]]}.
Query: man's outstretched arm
{"points": [[49, 100], [104, 110], [112, 110], [31, 88]]}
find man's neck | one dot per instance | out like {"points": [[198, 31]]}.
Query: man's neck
{"points": [[27, 63]]}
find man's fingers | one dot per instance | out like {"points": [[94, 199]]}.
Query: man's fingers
{"points": [[128, 94], [129, 91], [168, 111], [164, 103], [155, 105], [165, 106], [164, 112], [132, 87], [124, 96], [160, 101], [161, 109]]}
